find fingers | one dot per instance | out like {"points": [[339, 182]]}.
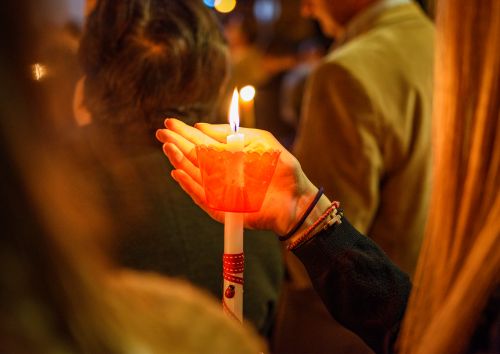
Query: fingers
{"points": [[179, 161], [196, 192], [257, 137], [182, 134], [161, 135], [191, 134], [219, 132], [184, 146]]}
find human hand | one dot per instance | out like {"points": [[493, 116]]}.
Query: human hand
{"points": [[289, 192]]}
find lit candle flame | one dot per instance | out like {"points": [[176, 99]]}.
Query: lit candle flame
{"points": [[234, 116]]}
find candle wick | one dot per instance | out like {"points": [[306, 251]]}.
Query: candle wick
{"points": [[234, 127]]}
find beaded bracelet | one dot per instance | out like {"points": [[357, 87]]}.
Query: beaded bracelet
{"points": [[335, 215], [304, 216]]}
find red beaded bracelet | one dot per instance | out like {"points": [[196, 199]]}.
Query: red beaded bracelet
{"points": [[333, 211]]}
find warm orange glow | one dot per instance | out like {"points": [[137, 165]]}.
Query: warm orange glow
{"points": [[234, 116], [225, 192], [89, 6], [225, 6], [247, 93], [39, 71]]}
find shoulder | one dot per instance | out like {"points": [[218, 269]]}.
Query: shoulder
{"points": [[398, 37], [390, 59]]}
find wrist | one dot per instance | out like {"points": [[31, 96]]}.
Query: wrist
{"points": [[314, 215], [331, 216], [306, 200]]}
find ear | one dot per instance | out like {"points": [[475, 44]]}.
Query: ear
{"points": [[80, 112]]}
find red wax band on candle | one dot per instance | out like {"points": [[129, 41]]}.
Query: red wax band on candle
{"points": [[232, 266], [225, 189]]}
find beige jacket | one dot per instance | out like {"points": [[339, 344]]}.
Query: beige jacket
{"points": [[366, 128]]}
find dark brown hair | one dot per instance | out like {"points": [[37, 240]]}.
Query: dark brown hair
{"points": [[148, 59]]}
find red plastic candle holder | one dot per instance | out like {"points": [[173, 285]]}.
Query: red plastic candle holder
{"points": [[236, 181]]}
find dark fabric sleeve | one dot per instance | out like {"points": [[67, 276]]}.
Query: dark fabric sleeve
{"points": [[363, 290]]}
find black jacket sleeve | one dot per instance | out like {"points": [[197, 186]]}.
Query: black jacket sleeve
{"points": [[360, 286]]}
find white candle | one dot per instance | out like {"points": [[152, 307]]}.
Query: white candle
{"points": [[233, 225], [233, 232]]}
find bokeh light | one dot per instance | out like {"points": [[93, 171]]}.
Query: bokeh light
{"points": [[211, 3], [247, 93], [266, 10], [225, 6], [38, 71]]}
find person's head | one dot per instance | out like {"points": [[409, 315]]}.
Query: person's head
{"points": [[333, 15], [146, 59]]}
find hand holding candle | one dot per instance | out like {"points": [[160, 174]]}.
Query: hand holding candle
{"points": [[234, 181], [289, 192], [196, 165]]}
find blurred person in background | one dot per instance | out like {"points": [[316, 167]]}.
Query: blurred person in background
{"points": [[246, 57], [369, 101], [261, 53], [364, 133], [144, 61], [60, 293], [309, 54]]}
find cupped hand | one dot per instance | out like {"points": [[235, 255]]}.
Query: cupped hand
{"points": [[289, 192]]}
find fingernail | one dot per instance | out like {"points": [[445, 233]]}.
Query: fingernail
{"points": [[169, 122], [173, 175]]}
